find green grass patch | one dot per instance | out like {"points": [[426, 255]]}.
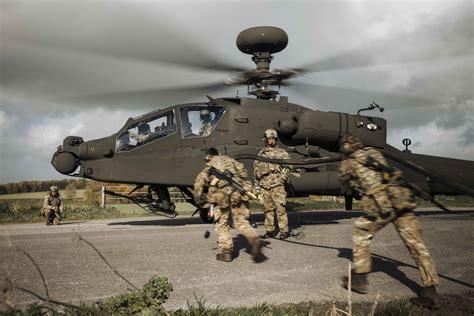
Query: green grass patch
{"points": [[150, 300]]}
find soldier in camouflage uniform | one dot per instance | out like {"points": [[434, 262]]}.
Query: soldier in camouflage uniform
{"points": [[271, 179], [384, 201], [53, 206], [206, 128], [224, 201]]}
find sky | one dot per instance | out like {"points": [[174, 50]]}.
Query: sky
{"points": [[83, 67]]}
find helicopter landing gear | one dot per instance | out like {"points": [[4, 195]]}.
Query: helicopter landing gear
{"points": [[161, 201], [348, 202]]}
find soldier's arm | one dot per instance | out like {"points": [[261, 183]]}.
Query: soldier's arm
{"points": [[286, 171], [200, 183], [345, 172], [46, 202], [60, 204], [239, 167]]}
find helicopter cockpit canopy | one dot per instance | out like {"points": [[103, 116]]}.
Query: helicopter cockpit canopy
{"points": [[200, 120], [146, 130]]}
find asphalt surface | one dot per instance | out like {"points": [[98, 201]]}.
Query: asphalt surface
{"points": [[296, 270]]}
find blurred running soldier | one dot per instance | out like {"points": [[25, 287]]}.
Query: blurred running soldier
{"points": [[271, 179], [384, 201], [224, 201]]}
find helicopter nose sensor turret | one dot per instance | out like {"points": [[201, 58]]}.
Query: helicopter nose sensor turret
{"points": [[65, 160]]}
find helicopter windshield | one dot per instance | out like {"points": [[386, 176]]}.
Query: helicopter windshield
{"points": [[200, 120], [146, 130]]}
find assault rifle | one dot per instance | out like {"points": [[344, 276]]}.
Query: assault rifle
{"points": [[395, 176], [227, 176]]}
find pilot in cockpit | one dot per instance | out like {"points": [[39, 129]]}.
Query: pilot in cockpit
{"points": [[207, 124]]}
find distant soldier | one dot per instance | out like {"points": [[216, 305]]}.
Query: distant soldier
{"points": [[207, 126], [53, 206], [271, 179], [224, 200], [383, 201]]}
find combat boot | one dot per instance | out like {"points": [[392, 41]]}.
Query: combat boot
{"points": [[359, 282], [427, 298], [225, 256], [269, 235], [284, 235]]}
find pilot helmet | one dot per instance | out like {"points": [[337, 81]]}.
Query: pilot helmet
{"points": [[143, 128], [205, 115]]}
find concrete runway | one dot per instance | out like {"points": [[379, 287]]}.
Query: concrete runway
{"points": [[296, 270]]}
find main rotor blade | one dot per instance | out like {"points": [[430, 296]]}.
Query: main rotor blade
{"points": [[345, 99], [148, 98], [120, 30], [449, 36]]}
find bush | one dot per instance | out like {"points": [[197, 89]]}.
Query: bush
{"points": [[150, 299]]}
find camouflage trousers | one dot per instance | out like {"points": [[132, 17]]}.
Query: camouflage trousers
{"points": [[274, 199], [52, 217], [408, 229], [240, 216]]}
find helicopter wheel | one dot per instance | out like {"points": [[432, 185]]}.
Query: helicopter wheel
{"points": [[203, 213]]}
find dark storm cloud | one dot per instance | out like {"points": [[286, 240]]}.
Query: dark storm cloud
{"points": [[67, 65]]}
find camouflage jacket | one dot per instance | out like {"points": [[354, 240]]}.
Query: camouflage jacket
{"points": [[270, 175], [50, 201], [355, 172], [218, 191]]}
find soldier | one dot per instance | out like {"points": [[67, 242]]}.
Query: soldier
{"points": [[384, 201], [53, 206], [271, 179], [224, 201], [206, 128]]}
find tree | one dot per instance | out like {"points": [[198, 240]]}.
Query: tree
{"points": [[93, 193], [70, 191]]}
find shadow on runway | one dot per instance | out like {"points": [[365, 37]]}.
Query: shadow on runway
{"points": [[296, 218], [389, 266], [240, 243]]}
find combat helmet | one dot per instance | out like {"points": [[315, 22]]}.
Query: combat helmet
{"points": [[270, 133], [350, 144], [53, 188]]}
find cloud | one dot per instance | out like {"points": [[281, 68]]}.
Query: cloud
{"points": [[27, 152], [413, 58], [430, 139]]}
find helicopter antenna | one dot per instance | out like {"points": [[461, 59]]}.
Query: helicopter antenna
{"points": [[371, 106]]}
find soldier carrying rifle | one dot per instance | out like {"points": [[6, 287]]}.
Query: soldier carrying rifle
{"points": [[228, 191], [384, 201]]}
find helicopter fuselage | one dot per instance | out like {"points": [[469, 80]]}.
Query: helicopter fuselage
{"points": [[173, 151]]}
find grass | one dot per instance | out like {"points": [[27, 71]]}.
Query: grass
{"points": [[132, 302], [25, 207]]}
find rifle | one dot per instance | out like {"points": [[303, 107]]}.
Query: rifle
{"points": [[227, 176], [394, 175]]}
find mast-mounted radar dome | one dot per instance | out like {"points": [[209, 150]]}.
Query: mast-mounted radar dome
{"points": [[262, 39]]}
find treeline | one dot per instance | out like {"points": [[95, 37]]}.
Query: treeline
{"points": [[39, 186]]}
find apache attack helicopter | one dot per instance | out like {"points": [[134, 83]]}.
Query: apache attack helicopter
{"points": [[166, 148]]}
